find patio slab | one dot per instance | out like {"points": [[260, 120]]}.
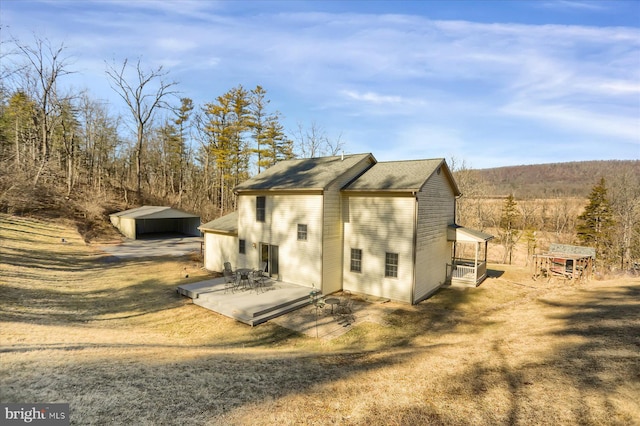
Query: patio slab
{"points": [[288, 305], [323, 325], [248, 306]]}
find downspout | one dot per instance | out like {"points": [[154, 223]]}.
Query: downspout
{"points": [[415, 247], [323, 247], [455, 239], [455, 208]]}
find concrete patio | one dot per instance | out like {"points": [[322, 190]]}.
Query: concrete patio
{"points": [[247, 305], [288, 305]]}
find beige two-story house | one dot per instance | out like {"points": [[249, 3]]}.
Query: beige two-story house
{"points": [[344, 223]]}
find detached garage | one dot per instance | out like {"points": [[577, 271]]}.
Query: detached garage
{"points": [[136, 222]]}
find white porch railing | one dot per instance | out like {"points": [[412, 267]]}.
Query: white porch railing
{"points": [[465, 271]]}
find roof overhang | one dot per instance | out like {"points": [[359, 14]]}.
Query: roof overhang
{"points": [[225, 225], [277, 191], [154, 212]]}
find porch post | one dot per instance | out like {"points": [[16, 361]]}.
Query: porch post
{"points": [[475, 263], [453, 259]]}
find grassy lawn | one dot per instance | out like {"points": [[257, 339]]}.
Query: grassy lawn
{"points": [[112, 339]]}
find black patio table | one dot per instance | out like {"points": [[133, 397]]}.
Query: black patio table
{"points": [[243, 277], [332, 301]]}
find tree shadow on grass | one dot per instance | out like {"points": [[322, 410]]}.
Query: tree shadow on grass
{"points": [[610, 323], [52, 306], [190, 390], [584, 377]]}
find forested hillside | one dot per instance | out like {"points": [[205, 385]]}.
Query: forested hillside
{"points": [[591, 203], [573, 179]]}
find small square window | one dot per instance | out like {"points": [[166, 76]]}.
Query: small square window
{"points": [[242, 247], [302, 232], [391, 265], [356, 260], [260, 209]]}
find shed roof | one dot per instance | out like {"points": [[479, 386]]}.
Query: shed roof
{"points": [[303, 174], [154, 212], [227, 224], [581, 251], [460, 233], [401, 176]]}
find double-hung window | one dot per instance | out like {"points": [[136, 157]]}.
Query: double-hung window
{"points": [[391, 265], [356, 260], [261, 206], [302, 232]]}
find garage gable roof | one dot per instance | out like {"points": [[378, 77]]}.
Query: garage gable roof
{"points": [[154, 212]]}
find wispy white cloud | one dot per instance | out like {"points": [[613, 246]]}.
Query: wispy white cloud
{"points": [[371, 97], [362, 70], [574, 4], [580, 120]]}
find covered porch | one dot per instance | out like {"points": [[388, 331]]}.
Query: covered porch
{"points": [[468, 267]]}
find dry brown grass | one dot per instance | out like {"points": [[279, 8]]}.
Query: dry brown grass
{"points": [[115, 341]]}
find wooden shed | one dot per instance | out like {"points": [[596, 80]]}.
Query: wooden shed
{"points": [[565, 261], [155, 220]]}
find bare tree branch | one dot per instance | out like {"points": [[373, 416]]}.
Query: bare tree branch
{"points": [[142, 99]]}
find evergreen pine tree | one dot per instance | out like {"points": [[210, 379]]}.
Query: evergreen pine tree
{"points": [[595, 224], [508, 227]]}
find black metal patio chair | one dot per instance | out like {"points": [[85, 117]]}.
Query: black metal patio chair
{"points": [[258, 279], [230, 281]]}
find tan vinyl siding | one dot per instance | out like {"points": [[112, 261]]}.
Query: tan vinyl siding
{"points": [[377, 225], [219, 248], [332, 242], [433, 251], [251, 231], [299, 261]]}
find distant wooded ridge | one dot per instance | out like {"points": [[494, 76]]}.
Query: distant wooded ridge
{"points": [[572, 179]]}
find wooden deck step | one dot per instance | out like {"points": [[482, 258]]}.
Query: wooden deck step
{"points": [[280, 311]]}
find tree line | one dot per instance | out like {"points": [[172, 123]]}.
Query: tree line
{"points": [[164, 148]]}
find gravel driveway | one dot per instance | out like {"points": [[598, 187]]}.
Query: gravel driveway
{"points": [[154, 247]]}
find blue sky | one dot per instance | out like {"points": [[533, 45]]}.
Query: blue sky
{"points": [[493, 83]]}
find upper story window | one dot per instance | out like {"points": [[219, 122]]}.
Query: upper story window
{"points": [[260, 208], [242, 248], [356, 260], [391, 265], [302, 232]]}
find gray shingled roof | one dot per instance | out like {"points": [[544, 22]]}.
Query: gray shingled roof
{"points": [[227, 224], [302, 174], [396, 176], [153, 212]]}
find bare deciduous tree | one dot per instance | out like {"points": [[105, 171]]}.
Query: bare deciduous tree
{"points": [[143, 95], [313, 141], [45, 65]]}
